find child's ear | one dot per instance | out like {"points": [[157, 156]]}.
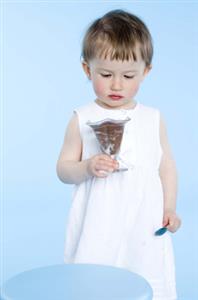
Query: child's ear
{"points": [[147, 70], [86, 69]]}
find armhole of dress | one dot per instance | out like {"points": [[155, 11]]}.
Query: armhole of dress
{"points": [[75, 111], [158, 136]]}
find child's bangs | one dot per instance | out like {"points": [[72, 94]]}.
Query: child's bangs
{"points": [[114, 50]]}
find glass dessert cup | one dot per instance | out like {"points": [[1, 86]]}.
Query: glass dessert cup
{"points": [[109, 134]]}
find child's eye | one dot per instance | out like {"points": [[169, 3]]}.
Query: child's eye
{"points": [[129, 77], [105, 75]]}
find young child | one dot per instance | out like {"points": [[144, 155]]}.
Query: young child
{"points": [[114, 215]]}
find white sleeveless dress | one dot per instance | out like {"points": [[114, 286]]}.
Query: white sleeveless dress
{"points": [[112, 220]]}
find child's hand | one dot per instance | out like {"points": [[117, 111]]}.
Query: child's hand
{"points": [[171, 221], [101, 165]]}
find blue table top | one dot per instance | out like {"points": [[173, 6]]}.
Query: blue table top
{"points": [[76, 282]]}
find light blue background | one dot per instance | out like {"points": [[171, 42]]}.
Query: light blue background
{"points": [[44, 81]]}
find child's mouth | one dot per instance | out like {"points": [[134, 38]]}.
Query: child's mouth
{"points": [[115, 97]]}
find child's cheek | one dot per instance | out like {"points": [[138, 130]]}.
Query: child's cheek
{"points": [[134, 89], [99, 87]]}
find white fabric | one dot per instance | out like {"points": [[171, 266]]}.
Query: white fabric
{"points": [[112, 220]]}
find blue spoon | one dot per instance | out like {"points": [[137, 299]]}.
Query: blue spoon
{"points": [[161, 231]]}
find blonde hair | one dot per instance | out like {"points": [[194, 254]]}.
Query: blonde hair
{"points": [[118, 34]]}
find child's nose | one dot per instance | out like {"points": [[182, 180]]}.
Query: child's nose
{"points": [[116, 84]]}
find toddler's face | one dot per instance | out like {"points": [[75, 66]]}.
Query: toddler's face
{"points": [[116, 78]]}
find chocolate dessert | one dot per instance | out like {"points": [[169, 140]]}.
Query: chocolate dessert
{"points": [[109, 134]]}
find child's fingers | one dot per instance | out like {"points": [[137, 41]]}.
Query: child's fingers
{"points": [[171, 227], [105, 163], [165, 221], [106, 157], [171, 221], [102, 173], [104, 168], [102, 165], [174, 224]]}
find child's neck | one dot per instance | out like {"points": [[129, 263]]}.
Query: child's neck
{"points": [[132, 104]]}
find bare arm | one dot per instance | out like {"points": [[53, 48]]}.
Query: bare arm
{"points": [[168, 175], [70, 168]]}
